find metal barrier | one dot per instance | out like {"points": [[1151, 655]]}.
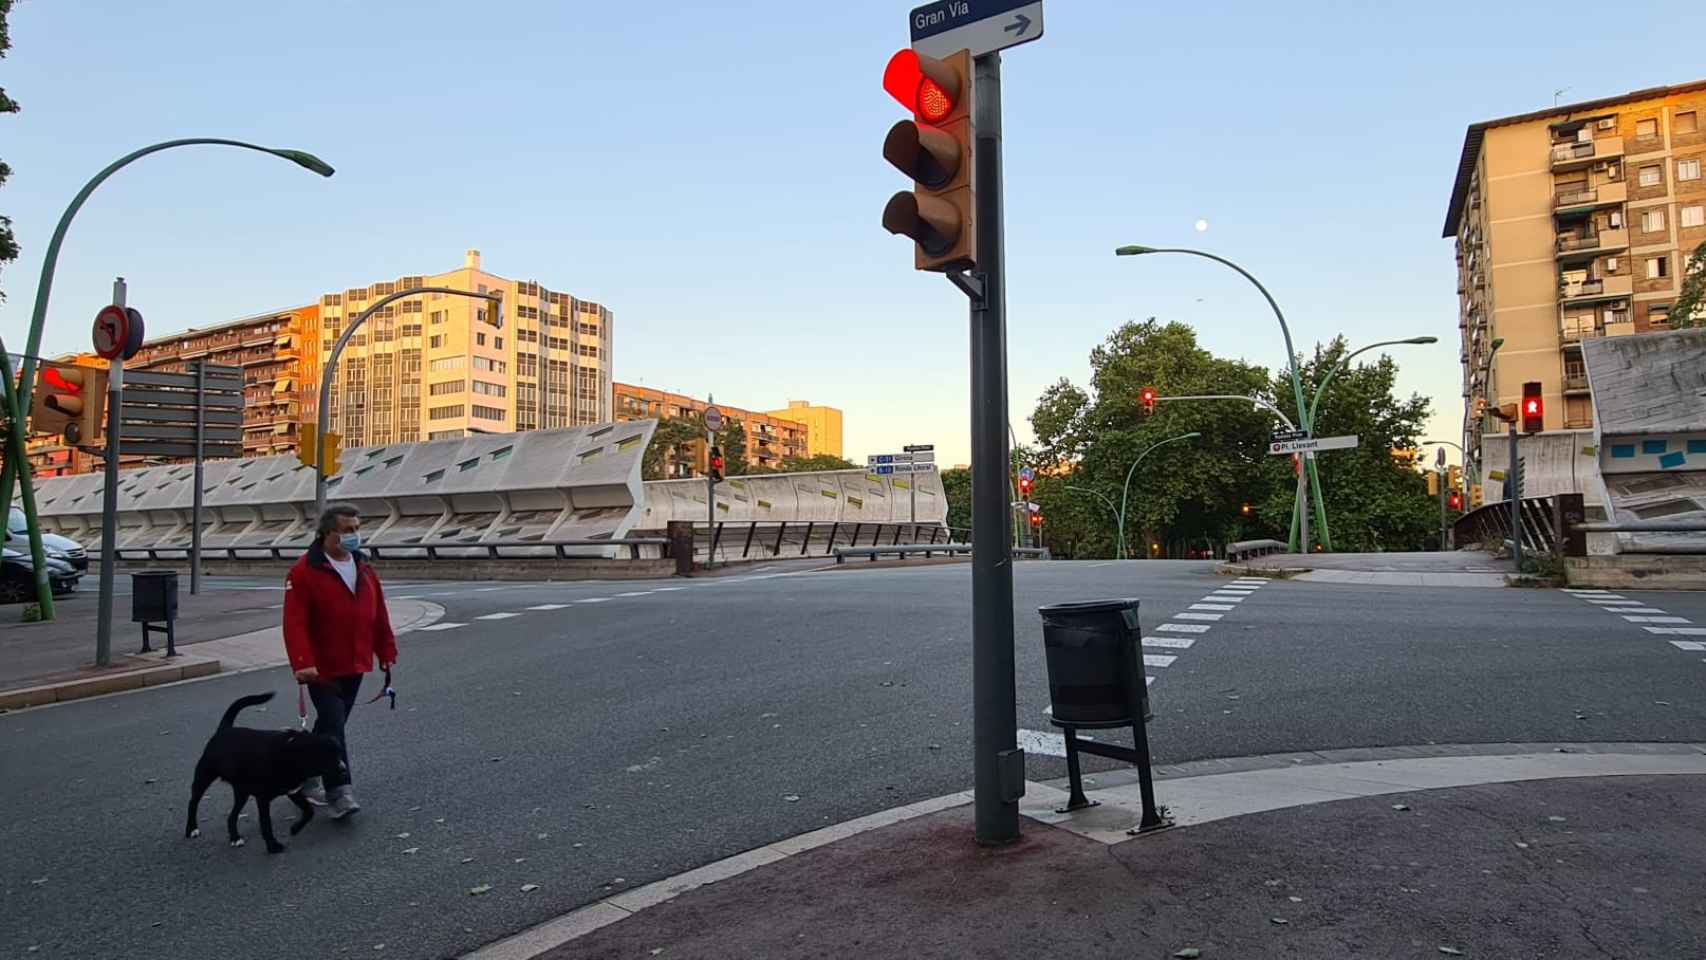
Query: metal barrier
{"points": [[762, 539], [491, 549], [1492, 522], [950, 549], [1245, 549]]}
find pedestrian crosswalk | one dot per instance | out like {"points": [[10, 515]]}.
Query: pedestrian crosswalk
{"points": [[1651, 619]]}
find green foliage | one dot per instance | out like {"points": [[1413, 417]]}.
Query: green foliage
{"points": [[732, 439], [956, 484], [671, 433], [1191, 492], [8, 242], [1690, 306], [817, 462]]}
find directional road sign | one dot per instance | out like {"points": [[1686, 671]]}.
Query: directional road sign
{"points": [[112, 331], [981, 26], [1283, 435], [1312, 444], [890, 469]]}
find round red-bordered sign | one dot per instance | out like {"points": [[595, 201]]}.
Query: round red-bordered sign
{"points": [[112, 332]]}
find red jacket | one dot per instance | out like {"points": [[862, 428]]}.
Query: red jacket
{"points": [[330, 628]]}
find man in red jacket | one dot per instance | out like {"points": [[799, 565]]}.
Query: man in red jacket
{"points": [[335, 622]]}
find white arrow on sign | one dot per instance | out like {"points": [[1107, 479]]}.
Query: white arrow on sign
{"points": [[1312, 444]]}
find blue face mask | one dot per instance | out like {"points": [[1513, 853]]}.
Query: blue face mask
{"points": [[351, 542]]}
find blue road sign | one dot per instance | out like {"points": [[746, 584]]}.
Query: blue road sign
{"points": [[981, 26]]}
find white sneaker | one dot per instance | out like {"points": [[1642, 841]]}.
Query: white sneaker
{"points": [[314, 791], [343, 803]]}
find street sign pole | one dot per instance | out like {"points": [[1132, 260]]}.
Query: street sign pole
{"points": [[1303, 502], [713, 422], [1514, 471], [109, 498], [195, 509], [999, 766]]}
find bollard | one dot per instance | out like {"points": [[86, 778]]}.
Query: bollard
{"points": [[680, 533]]}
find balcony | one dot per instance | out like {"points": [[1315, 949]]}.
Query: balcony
{"points": [[1620, 328], [1593, 242], [1605, 288], [1574, 198], [1570, 156], [1575, 381]]}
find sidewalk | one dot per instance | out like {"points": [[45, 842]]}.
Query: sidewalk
{"points": [[1456, 568], [219, 631], [1593, 853]]}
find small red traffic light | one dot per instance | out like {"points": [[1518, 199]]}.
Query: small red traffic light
{"points": [[1533, 406], [1456, 501], [922, 86]]}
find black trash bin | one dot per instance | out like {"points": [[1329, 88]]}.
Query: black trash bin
{"points": [[1095, 662], [154, 599]]}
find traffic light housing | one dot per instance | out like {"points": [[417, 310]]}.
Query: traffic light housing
{"points": [[1533, 409], [1475, 499], [935, 150], [1024, 486], [328, 449], [715, 463], [1433, 483], [1455, 501], [1148, 398], [1036, 520], [69, 401]]}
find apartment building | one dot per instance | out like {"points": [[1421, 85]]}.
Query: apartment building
{"points": [[769, 440], [438, 365], [1570, 223], [823, 426], [280, 371]]}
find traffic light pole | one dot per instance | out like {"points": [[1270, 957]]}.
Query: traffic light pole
{"points": [[1442, 524], [109, 500], [999, 765], [18, 465], [1514, 472]]}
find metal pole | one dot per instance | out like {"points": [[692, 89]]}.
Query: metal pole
{"points": [[109, 500], [1442, 524], [1514, 473], [998, 763], [1303, 501], [912, 490], [18, 465], [195, 509]]}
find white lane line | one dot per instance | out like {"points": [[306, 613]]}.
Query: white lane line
{"points": [[1198, 616], [593, 600], [1677, 631], [1183, 628], [640, 593], [410, 597], [1688, 645], [1173, 643], [491, 589], [1105, 563], [549, 606], [497, 616], [1157, 659], [1633, 609], [1587, 593], [1615, 602], [668, 589], [1213, 606], [1252, 584], [441, 626], [1657, 619]]}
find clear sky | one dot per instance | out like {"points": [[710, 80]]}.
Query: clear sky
{"points": [[712, 173]]}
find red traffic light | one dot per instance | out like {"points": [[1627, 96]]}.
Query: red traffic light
{"points": [[923, 85], [1036, 519], [1148, 399], [1457, 501], [1533, 408]]}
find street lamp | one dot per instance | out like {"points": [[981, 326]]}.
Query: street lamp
{"points": [[1125, 490], [16, 457], [1480, 426], [1111, 509], [1315, 406], [1135, 250], [323, 415]]}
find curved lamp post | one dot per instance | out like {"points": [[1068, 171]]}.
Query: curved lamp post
{"points": [[323, 415], [1125, 491], [1314, 407], [1119, 538], [1134, 250], [1486, 365], [18, 451]]}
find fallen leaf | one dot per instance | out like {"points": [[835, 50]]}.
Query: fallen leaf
{"points": [[439, 820], [542, 836], [467, 859], [1662, 703], [520, 859], [792, 798], [1556, 819], [1521, 846], [152, 780], [1400, 806], [1189, 953], [1295, 899], [480, 890], [619, 880], [935, 746], [579, 845], [411, 851], [1273, 883], [1451, 951], [379, 946], [38, 881], [403, 836], [1279, 921], [529, 887]]}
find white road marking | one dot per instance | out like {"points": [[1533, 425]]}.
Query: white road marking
{"points": [[1174, 643], [490, 589], [593, 600], [1615, 602], [1226, 597], [1198, 616], [442, 626], [1213, 606], [1587, 593], [1688, 645], [1657, 619], [1157, 659], [549, 606], [640, 593], [1678, 631], [1183, 628], [1249, 583], [668, 589], [497, 616], [1634, 609]]}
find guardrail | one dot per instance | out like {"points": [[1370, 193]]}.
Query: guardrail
{"points": [[1492, 523], [841, 555], [1245, 549], [492, 549]]}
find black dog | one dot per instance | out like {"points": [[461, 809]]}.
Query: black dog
{"points": [[263, 764]]}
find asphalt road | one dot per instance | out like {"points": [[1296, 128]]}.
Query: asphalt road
{"points": [[632, 731]]}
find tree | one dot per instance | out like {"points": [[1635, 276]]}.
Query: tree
{"points": [[732, 439], [956, 484], [817, 462], [1690, 306], [8, 242], [671, 434]]}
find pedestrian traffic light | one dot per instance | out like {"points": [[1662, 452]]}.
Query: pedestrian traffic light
{"points": [[935, 151], [1148, 398], [69, 401], [1533, 409], [1024, 485], [1456, 501], [716, 464], [1475, 500], [1036, 519]]}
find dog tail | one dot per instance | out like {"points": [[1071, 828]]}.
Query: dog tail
{"points": [[242, 702]]}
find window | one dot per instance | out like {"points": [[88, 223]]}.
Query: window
{"points": [[1659, 316], [1616, 220], [1686, 122], [1610, 264], [1658, 267], [490, 389], [447, 388], [488, 413], [449, 363], [1688, 169], [1652, 221], [1694, 216], [437, 317], [479, 339], [436, 342], [1650, 176], [445, 413], [498, 343], [494, 366], [1647, 129]]}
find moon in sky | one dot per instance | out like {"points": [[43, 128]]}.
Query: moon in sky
{"points": [[1202, 226]]}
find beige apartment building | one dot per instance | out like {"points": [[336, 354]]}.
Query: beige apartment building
{"points": [[823, 425], [437, 366], [1570, 223], [770, 440]]}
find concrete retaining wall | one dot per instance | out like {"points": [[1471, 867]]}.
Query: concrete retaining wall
{"points": [[1637, 572], [840, 496]]}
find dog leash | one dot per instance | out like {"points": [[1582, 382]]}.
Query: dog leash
{"points": [[387, 692]]}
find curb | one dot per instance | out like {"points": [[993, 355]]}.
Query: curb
{"points": [[1247, 570], [578, 923], [186, 666]]}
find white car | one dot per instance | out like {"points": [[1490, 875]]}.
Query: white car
{"points": [[54, 545]]}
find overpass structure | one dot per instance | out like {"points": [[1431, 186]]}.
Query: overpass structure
{"points": [[543, 493]]}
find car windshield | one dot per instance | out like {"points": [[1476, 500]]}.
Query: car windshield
{"points": [[15, 521]]}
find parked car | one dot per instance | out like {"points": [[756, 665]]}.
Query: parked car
{"points": [[18, 580], [65, 548]]}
